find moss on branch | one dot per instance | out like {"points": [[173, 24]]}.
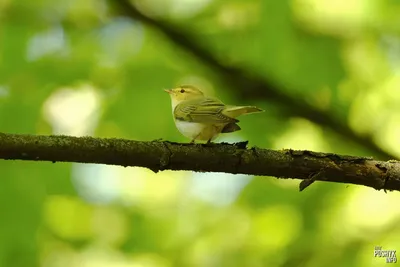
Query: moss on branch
{"points": [[229, 158]]}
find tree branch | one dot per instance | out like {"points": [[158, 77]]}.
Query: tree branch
{"points": [[249, 85], [229, 158]]}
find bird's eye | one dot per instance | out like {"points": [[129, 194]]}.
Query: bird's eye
{"points": [[182, 91]]}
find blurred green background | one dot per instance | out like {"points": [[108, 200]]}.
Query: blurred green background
{"points": [[81, 68]]}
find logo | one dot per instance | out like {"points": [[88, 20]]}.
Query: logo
{"points": [[390, 255]]}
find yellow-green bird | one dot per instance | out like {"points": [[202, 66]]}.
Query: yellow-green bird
{"points": [[201, 117]]}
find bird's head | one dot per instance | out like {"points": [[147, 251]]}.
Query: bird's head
{"points": [[184, 92]]}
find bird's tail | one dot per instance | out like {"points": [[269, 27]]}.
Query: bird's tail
{"points": [[231, 127], [235, 111]]}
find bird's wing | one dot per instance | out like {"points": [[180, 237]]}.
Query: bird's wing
{"points": [[202, 110]]}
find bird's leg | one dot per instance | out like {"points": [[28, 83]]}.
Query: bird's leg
{"points": [[209, 143], [194, 139], [217, 130]]}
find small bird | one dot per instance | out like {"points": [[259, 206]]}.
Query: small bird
{"points": [[201, 117]]}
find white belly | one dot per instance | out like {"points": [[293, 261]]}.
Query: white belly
{"points": [[198, 131], [189, 129]]}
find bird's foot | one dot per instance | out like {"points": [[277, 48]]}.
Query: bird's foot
{"points": [[209, 143]]}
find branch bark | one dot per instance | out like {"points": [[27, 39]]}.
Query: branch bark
{"points": [[230, 158], [247, 84]]}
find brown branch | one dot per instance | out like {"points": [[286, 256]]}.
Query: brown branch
{"points": [[249, 85], [229, 158]]}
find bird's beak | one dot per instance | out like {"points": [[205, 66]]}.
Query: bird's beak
{"points": [[169, 91]]}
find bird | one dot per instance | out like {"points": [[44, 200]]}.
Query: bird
{"points": [[201, 117]]}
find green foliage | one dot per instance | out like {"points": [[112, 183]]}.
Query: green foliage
{"points": [[79, 68]]}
